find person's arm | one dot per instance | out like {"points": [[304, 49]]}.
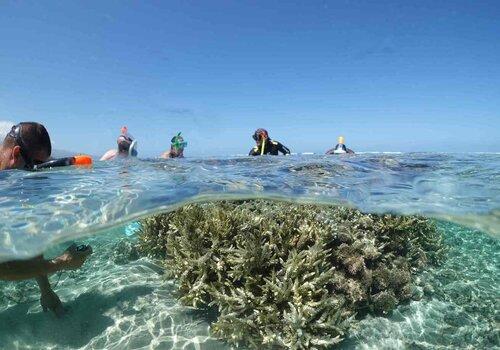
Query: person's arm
{"points": [[283, 149], [350, 151], [26, 269], [330, 151], [109, 155], [48, 298], [165, 155], [254, 151]]}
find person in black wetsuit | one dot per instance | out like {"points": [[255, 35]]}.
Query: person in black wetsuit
{"points": [[340, 148], [264, 145]]}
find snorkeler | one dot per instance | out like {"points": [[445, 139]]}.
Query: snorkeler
{"points": [[340, 148], [177, 145], [264, 145], [127, 146], [25, 146]]}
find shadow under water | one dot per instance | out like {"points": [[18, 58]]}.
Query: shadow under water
{"points": [[119, 300], [85, 319]]}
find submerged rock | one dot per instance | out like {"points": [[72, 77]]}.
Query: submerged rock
{"points": [[289, 275]]}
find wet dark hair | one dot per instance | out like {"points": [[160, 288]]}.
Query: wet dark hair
{"points": [[35, 138]]}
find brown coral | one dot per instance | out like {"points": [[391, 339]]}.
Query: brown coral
{"points": [[289, 275]]}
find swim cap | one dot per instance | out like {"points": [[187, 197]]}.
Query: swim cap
{"points": [[341, 139]]}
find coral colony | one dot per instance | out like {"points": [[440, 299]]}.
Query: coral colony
{"points": [[290, 275]]}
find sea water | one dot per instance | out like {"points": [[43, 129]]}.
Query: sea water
{"points": [[120, 300]]}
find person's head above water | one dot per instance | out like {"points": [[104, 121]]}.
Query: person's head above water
{"points": [[27, 144], [264, 144], [126, 143], [127, 146], [177, 145], [341, 140], [260, 135]]}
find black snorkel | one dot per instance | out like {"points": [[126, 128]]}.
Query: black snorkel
{"points": [[66, 161]]}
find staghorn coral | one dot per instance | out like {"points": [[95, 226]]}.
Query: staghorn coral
{"points": [[289, 275]]}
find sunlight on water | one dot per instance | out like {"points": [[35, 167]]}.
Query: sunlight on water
{"points": [[39, 209], [116, 301], [119, 300]]}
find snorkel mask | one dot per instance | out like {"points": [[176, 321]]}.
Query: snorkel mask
{"points": [[178, 142], [126, 143], [16, 134]]}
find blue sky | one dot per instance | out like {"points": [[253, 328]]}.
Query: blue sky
{"points": [[388, 75]]}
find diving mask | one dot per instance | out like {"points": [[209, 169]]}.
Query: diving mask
{"points": [[178, 142]]}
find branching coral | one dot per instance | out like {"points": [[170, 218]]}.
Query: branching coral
{"points": [[289, 275]]}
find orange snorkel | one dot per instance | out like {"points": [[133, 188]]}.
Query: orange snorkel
{"points": [[80, 160]]}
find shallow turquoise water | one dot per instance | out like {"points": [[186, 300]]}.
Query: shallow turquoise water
{"points": [[120, 301], [42, 208]]}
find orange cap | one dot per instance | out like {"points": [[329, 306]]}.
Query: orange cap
{"points": [[82, 160]]}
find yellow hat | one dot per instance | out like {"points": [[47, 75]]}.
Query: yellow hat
{"points": [[341, 140]]}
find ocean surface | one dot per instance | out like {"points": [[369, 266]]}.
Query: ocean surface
{"points": [[119, 300]]}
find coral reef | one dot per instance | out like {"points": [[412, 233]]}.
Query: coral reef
{"points": [[289, 275]]}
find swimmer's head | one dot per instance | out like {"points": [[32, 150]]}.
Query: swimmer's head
{"points": [[341, 140], [124, 141], [177, 142], [260, 134], [27, 144]]}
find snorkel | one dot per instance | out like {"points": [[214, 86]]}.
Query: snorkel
{"points": [[79, 160], [178, 144], [132, 151], [340, 148], [262, 136], [127, 145]]}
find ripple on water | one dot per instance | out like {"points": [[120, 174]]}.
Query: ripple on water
{"points": [[66, 203]]}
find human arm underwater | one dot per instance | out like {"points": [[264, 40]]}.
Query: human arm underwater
{"points": [[18, 270]]}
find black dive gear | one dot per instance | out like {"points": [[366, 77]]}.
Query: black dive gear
{"points": [[270, 147], [55, 163], [340, 149]]}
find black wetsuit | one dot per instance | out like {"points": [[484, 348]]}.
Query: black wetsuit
{"points": [[272, 148]]}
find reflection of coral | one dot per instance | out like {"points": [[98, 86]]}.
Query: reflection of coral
{"points": [[286, 274]]}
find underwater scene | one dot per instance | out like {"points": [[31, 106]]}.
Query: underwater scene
{"points": [[370, 251]]}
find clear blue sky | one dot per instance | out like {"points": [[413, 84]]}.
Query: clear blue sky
{"points": [[388, 75]]}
